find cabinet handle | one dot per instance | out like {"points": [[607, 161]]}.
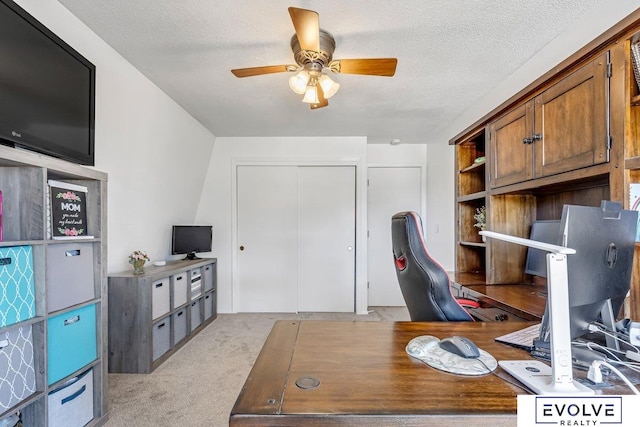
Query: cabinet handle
{"points": [[158, 285], [179, 278], [74, 395], [537, 137], [161, 325], [72, 320], [527, 141]]}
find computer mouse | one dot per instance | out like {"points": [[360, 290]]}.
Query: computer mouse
{"points": [[461, 346]]}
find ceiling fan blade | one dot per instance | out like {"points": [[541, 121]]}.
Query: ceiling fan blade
{"points": [[256, 71], [307, 25], [323, 102], [370, 66]]}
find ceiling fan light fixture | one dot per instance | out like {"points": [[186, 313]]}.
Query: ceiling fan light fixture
{"points": [[311, 95], [298, 82], [329, 87]]}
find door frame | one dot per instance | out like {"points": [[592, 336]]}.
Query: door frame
{"points": [[361, 217]]}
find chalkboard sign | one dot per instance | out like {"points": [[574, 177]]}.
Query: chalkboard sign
{"points": [[68, 208]]}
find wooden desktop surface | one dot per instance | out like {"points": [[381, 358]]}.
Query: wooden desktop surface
{"points": [[527, 301], [367, 378]]}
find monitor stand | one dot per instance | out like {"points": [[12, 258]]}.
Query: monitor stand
{"points": [[537, 376], [191, 256]]}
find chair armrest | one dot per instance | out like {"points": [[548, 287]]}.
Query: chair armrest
{"points": [[465, 302]]}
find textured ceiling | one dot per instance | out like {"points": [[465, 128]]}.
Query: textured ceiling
{"points": [[450, 54]]}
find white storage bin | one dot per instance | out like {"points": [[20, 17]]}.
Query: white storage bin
{"points": [[179, 289], [71, 404], [160, 296]]}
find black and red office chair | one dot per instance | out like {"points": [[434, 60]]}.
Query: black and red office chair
{"points": [[425, 284]]}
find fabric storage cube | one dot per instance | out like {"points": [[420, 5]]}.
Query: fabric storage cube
{"points": [[70, 279], [17, 300], [209, 276], [195, 309], [208, 305], [160, 295], [179, 289], [71, 404], [179, 325], [18, 379], [161, 337], [71, 342]]}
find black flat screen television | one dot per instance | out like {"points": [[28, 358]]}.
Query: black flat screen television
{"points": [[47, 90], [191, 239]]}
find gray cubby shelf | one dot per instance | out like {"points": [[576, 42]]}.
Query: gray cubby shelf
{"points": [[23, 182], [155, 313]]}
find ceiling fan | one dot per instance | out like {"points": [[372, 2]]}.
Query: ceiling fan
{"points": [[313, 52]]}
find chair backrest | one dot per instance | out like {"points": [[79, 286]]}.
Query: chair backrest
{"points": [[424, 283]]}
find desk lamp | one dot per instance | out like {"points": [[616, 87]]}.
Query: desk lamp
{"points": [[534, 374]]}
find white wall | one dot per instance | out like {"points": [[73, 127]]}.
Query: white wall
{"points": [[437, 161], [155, 153], [440, 224]]}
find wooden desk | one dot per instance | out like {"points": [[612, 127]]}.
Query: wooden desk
{"points": [[517, 302], [366, 377]]}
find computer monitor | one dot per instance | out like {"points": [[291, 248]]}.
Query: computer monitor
{"points": [[541, 231], [600, 271]]}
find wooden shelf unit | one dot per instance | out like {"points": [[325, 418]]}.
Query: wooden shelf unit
{"points": [[23, 182], [603, 166]]}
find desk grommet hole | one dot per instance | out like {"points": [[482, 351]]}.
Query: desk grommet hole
{"points": [[307, 383]]}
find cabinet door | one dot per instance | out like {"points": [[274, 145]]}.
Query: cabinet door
{"points": [[511, 154], [571, 120]]}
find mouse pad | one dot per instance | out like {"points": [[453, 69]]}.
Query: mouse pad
{"points": [[426, 348]]}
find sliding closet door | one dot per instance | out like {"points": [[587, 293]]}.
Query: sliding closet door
{"points": [[267, 238], [296, 238], [326, 238]]}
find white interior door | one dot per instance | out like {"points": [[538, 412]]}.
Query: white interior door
{"points": [[391, 190], [267, 238], [326, 238]]}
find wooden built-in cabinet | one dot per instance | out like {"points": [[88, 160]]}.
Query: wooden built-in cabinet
{"points": [[570, 137], [471, 196], [563, 128]]}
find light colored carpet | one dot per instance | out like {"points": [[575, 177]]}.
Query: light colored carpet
{"points": [[199, 384]]}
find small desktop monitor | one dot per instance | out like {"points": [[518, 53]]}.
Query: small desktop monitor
{"points": [[541, 231], [191, 239], [600, 271]]}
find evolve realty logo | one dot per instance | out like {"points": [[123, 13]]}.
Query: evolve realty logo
{"points": [[578, 411]]}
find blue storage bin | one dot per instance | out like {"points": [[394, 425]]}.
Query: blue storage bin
{"points": [[17, 301], [71, 342]]}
